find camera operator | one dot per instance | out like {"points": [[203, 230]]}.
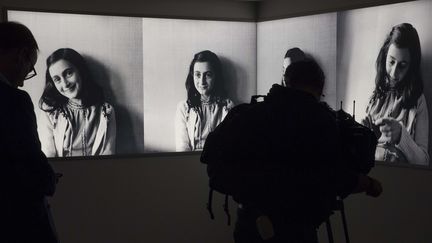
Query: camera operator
{"points": [[302, 141]]}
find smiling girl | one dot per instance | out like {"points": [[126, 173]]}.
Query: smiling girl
{"points": [[76, 120], [397, 110], [205, 106]]}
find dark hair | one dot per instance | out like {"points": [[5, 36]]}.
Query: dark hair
{"points": [[90, 93], [411, 86], [305, 73], [217, 93], [295, 54], [17, 36]]}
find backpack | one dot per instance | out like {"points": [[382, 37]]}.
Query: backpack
{"points": [[235, 150], [225, 161]]}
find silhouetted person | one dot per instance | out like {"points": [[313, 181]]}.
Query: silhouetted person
{"points": [[302, 140], [26, 177]]}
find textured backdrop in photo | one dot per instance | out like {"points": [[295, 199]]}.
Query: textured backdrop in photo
{"points": [[315, 35], [169, 46], [112, 46]]}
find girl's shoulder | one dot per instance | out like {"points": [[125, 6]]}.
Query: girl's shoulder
{"points": [[107, 109], [229, 103], [225, 102], [421, 102], [421, 99], [183, 106], [53, 115]]}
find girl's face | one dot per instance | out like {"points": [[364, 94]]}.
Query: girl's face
{"points": [[204, 78], [66, 79], [397, 64]]}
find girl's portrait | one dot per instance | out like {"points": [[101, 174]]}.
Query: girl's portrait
{"points": [[88, 91], [77, 121], [397, 111], [384, 60], [191, 83], [206, 105]]}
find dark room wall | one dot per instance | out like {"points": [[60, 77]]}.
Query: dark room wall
{"points": [[161, 199], [274, 9], [403, 212], [196, 9], [141, 199]]}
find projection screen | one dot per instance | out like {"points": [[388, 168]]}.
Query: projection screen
{"points": [[346, 44], [141, 66], [145, 68]]}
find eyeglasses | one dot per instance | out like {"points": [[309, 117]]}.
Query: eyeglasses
{"points": [[31, 74]]}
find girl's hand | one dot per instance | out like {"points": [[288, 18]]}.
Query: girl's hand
{"points": [[390, 130]]}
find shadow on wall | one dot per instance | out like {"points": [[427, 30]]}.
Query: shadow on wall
{"points": [[233, 80], [129, 136]]}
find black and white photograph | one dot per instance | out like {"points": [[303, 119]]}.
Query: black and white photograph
{"points": [[88, 85], [195, 71], [377, 62], [384, 64], [108, 85]]}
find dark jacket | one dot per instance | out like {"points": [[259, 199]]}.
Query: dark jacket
{"points": [[26, 177], [297, 137]]}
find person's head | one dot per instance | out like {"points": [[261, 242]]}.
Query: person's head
{"points": [[205, 78], [18, 53], [306, 75], [68, 78], [398, 64], [292, 55]]}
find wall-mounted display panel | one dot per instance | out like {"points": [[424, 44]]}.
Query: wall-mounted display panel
{"points": [[399, 78], [163, 92], [391, 90], [141, 66]]}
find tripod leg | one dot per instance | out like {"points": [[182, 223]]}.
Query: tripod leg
{"points": [[329, 231], [347, 240]]}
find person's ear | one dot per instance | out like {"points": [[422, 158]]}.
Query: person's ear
{"points": [[22, 56]]}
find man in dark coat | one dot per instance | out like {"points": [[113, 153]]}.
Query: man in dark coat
{"points": [[299, 141], [26, 177]]}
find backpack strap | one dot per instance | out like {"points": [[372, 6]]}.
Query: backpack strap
{"points": [[225, 206], [329, 231], [342, 209], [226, 209], [209, 204], [339, 205]]}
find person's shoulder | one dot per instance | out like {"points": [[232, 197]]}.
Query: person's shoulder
{"points": [[421, 104], [11, 92], [326, 109], [325, 115], [229, 103], [225, 102], [107, 106], [421, 100], [51, 114], [107, 109], [16, 97], [182, 105]]}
